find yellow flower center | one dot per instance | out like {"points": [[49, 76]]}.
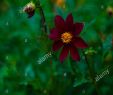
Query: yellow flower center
{"points": [[66, 37]]}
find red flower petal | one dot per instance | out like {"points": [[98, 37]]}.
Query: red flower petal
{"points": [[78, 28], [64, 53], [59, 22], [69, 19], [74, 54], [57, 45], [69, 22], [79, 43], [54, 35]]}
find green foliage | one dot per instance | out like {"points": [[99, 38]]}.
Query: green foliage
{"points": [[23, 42]]}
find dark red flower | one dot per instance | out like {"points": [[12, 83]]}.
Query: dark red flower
{"points": [[29, 9], [65, 35]]}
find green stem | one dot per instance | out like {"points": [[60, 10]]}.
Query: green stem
{"points": [[71, 66], [91, 74], [73, 69], [43, 20]]}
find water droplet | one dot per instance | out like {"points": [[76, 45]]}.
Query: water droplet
{"points": [[26, 40], [7, 57], [55, 74], [65, 74], [26, 74], [6, 91], [83, 57], [45, 91], [102, 7], [83, 91], [25, 83], [99, 48], [7, 23]]}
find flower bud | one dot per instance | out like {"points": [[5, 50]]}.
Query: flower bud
{"points": [[110, 11], [30, 9]]}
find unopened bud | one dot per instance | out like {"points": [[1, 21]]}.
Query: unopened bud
{"points": [[110, 11], [30, 9]]}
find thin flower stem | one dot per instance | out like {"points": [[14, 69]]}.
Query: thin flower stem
{"points": [[71, 66], [73, 69], [43, 20], [91, 74]]}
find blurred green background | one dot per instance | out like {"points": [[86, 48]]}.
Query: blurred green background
{"points": [[23, 43]]}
